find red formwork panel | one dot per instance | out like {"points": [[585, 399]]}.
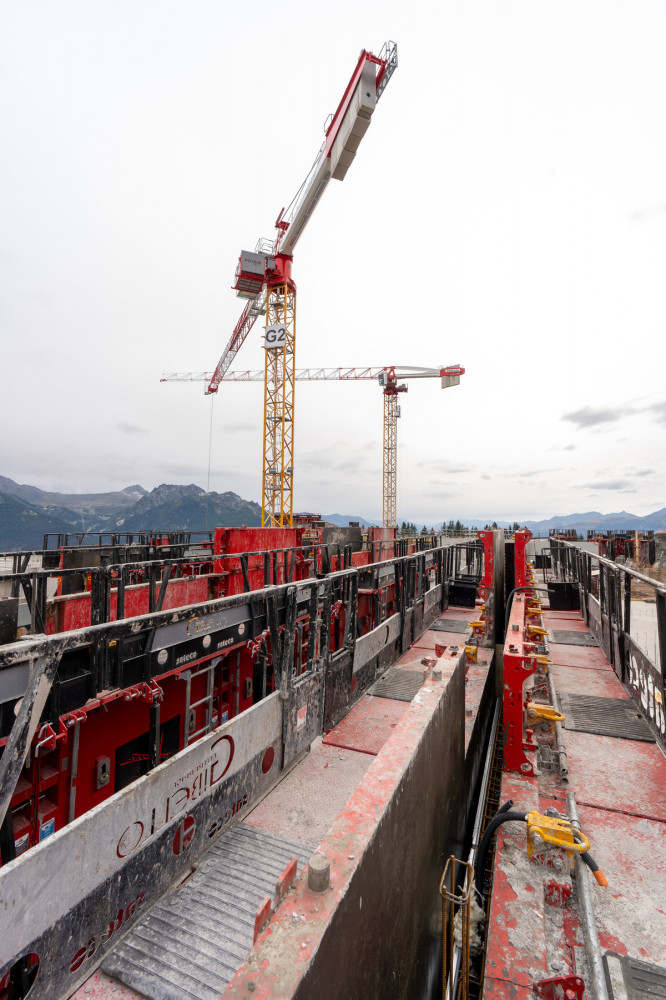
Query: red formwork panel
{"points": [[69, 613], [259, 540], [368, 725]]}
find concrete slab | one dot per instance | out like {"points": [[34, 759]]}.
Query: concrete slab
{"points": [[623, 776], [101, 987], [573, 624], [368, 725], [328, 943], [426, 644], [579, 680], [516, 952], [563, 616], [631, 912], [305, 803], [589, 657]]}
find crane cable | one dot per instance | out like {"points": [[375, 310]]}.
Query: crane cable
{"points": [[210, 446]]}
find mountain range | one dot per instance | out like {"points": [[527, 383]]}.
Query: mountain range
{"points": [[27, 513], [595, 521]]}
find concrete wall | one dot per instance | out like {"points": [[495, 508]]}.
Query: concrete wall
{"points": [[373, 932]]}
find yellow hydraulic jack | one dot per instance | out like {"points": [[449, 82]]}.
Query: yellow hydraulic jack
{"points": [[537, 712], [553, 841]]}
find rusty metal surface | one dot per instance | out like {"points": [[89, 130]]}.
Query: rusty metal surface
{"points": [[368, 726], [194, 939]]}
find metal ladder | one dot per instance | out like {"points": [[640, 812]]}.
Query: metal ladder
{"points": [[207, 700]]}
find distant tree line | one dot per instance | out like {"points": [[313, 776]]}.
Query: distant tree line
{"points": [[452, 527]]}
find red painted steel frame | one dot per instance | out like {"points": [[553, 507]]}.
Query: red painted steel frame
{"points": [[520, 663], [60, 783], [487, 580], [522, 568]]}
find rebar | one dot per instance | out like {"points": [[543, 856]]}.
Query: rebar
{"points": [[456, 895]]}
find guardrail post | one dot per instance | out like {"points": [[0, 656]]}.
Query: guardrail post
{"points": [[661, 633], [24, 728]]}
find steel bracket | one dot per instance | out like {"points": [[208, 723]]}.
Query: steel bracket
{"points": [[146, 691], [560, 988]]}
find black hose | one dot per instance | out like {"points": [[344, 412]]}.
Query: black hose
{"points": [[509, 602], [504, 815]]}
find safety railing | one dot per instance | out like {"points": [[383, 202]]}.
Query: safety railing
{"points": [[606, 589]]}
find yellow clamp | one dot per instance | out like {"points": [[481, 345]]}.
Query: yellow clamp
{"points": [[471, 652], [537, 630], [555, 832], [545, 713], [477, 627], [543, 662]]}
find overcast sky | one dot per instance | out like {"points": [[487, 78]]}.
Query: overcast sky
{"points": [[506, 210]]}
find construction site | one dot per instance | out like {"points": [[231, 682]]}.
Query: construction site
{"points": [[309, 760]]}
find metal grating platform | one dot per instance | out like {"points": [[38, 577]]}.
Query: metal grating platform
{"points": [[637, 981], [616, 717], [193, 941], [568, 638], [449, 625], [401, 685]]}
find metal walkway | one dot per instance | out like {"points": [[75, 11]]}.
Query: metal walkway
{"points": [[192, 942]]}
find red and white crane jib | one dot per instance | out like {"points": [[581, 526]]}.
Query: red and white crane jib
{"points": [[272, 262], [450, 375]]}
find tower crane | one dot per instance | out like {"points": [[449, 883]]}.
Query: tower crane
{"points": [[388, 378], [264, 278]]}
